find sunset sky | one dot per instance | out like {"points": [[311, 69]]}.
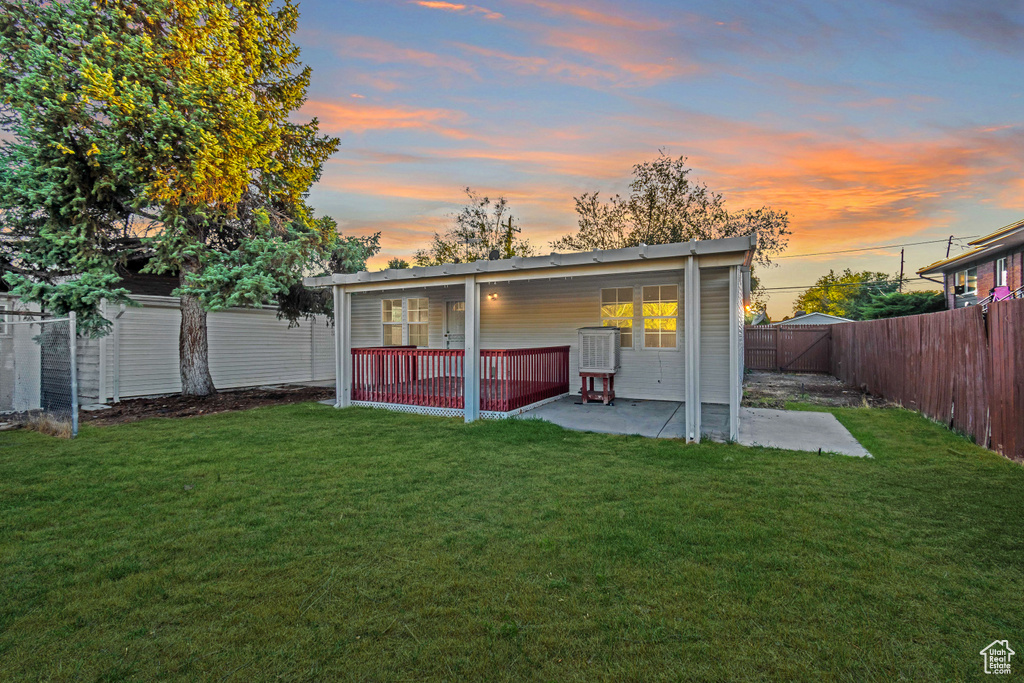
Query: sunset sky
{"points": [[871, 123]]}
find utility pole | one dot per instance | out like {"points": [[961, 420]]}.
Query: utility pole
{"points": [[901, 270], [948, 245]]}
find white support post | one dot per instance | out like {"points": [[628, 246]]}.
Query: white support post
{"points": [[342, 347], [735, 352], [691, 302], [471, 371]]}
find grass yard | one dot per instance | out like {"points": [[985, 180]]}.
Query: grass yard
{"points": [[304, 543]]}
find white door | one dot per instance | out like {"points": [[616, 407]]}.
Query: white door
{"points": [[455, 324]]}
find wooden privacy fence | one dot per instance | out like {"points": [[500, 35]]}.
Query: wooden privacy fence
{"points": [[793, 348], [960, 367]]}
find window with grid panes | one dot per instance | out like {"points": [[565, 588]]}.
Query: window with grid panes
{"points": [[416, 310], [617, 311], [660, 313], [391, 314]]}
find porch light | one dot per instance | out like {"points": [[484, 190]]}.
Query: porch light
{"points": [[492, 296]]}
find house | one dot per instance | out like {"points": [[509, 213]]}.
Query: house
{"points": [[492, 338], [802, 318], [993, 268]]}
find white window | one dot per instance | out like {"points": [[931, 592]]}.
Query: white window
{"points": [[967, 282], [391, 314], [1001, 272], [418, 329], [660, 313], [408, 322], [4, 328], [617, 311]]}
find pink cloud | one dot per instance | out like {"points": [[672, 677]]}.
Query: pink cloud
{"points": [[458, 7]]}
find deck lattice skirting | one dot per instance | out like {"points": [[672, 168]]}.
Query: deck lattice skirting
{"points": [[455, 412]]}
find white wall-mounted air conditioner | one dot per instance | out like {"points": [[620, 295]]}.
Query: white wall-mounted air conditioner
{"points": [[599, 349]]}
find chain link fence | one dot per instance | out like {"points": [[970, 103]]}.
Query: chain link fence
{"points": [[38, 374]]}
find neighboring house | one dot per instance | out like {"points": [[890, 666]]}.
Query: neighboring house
{"points": [[992, 268], [812, 319], [139, 357], [491, 338]]}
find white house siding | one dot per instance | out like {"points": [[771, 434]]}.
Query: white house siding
{"points": [[367, 323], [716, 314], [540, 313]]}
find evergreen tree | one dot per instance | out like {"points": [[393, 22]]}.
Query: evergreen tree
{"points": [[162, 127], [898, 304]]}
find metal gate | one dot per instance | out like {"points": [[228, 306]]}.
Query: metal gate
{"points": [[788, 348], [38, 373]]}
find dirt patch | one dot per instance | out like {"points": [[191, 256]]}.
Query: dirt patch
{"points": [[189, 406], [774, 389]]}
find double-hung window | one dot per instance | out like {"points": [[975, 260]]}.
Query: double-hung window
{"points": [[4, 329], [661, 311], [1001, 272], [617, 311], [418, 329], [967, 282], [405, 322], [392, 317]]}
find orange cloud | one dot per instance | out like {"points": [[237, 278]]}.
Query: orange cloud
{"points": [[356, 117], [454, 7]]}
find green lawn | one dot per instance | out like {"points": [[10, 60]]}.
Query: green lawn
{"points": [[305, 543]]}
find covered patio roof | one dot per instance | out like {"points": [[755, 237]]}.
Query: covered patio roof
{"points": [[643, 257]]}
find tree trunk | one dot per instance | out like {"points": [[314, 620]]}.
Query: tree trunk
{"points": [[193, 345]]}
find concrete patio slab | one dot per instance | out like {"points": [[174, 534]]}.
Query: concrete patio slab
{"points": [[646, 418], [797, 430], [653, 419]]}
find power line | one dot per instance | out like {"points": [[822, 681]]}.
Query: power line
{"points": [[846, 284], [882, 246]]}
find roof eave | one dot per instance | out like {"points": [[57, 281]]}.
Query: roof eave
{"points": [[740, 244]]}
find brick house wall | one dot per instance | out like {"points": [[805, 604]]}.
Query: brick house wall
{"points": [[986, 278]]}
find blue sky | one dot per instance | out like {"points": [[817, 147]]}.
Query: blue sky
{"points": [[872, 123]]}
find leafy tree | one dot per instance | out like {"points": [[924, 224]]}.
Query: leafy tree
{"points": [[896, 304], [481, 227], [397, 264], [666, 205], [845, 294], [165, 126]]}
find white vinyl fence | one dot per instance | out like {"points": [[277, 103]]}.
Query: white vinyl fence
{"points": [[248, 348]]}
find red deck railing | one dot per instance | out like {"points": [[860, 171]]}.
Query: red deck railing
{"points": [[409, 376], [509, 378], [513, 378]]}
